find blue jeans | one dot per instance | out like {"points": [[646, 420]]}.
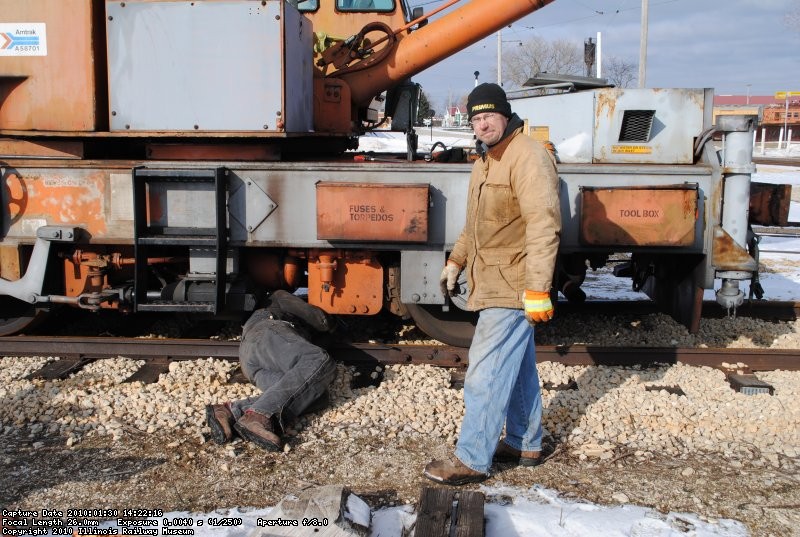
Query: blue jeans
{"points": [[502, 385], [290, 371]]}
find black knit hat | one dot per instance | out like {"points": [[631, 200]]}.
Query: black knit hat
{"points": [[488, 97]]}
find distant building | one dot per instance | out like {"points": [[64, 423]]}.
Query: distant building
{"points": [[771, 113], [455, 116]]}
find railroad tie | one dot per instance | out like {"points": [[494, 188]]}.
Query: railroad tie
{"points": [[59, 369], [443, 512], [150, 371]]}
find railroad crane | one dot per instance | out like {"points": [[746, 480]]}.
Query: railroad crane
{"points": [[187, 156]]}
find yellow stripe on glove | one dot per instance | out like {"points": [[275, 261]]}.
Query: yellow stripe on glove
{"points": [[538, 307]]}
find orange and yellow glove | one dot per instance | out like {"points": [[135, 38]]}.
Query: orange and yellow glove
{"points": [[449, 277], [538, 308]]}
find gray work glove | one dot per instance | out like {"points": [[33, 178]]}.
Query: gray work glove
{"points": [[448, 279]]}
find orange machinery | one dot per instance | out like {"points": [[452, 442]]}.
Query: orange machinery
{"points": [[155, 153], [349, 55]]}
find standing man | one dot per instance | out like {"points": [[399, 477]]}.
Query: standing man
{"points": [[279, 355], [508, 248]]}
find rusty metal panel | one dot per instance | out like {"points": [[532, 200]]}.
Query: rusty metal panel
{"points": [[769, 204], [621, 125], [372, 212], [638, 216], [9, 263], [54, 80], [356, 287], [727, 254], [55, 197], [331, 109], [676, 115]]}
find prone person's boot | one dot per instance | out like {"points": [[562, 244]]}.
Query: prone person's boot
{"points": [[258, 428], [220, 420]]}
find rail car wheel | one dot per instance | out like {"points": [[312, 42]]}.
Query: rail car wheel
{"points": [[455, 327], [16, 315]]}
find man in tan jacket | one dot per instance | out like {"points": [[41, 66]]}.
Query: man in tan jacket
{"points": [[508, 248]]}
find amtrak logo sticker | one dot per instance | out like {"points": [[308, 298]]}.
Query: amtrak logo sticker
{"points": [[23, 39]]}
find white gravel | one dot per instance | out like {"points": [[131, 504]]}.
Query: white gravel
{"points": [[611, 414], [660, 330]]}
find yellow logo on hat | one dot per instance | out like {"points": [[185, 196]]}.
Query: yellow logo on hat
{"points": [[487, 106]]}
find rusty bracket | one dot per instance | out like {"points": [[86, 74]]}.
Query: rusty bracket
{"points": [[729, 255]]}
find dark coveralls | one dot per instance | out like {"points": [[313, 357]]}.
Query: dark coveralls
{"points": [[277, 355]]}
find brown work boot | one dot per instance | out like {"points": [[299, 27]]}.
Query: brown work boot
{"points": [[220, 421], [452, 472], [506, 453], [258, 429]]}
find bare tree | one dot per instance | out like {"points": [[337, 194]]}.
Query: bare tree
{"points": [[540, 56], [459, 99], [792, 20], [619, 72]]}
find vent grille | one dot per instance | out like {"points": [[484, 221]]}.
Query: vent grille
{"points": [[636, 125]]}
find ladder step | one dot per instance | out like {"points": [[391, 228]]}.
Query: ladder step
{"points": [[193, 307], [147, 237], [171, 240], [177, 175]]}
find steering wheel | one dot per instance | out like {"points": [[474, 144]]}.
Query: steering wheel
{"points": [[19, 202]]}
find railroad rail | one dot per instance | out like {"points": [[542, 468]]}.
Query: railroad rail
{"points": [[791, 230], [75, 353], [770, 310], [778, 161]]}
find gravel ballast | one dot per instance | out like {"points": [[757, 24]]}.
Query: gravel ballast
{"points": [[610, 431]]}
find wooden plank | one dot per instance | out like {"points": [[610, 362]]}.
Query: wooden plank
{"points": [[9, 262], [470, 521], [769, 204], [445, 512], [433, 513]]}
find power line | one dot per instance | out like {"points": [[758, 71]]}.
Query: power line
{"points": [[427, 3], [590, 8], [596, 13]]}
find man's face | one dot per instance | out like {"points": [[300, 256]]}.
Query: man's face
{"points": [[489, 127]]}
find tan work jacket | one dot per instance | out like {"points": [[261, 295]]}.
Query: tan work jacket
{"points": [[511, 236]]}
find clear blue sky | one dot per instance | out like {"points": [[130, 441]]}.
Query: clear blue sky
{"points": [[721, 44]]}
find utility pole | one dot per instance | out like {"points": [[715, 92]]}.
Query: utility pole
{"points": [[785, 122], [499, 60], [643, 46], [599, 56]]}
